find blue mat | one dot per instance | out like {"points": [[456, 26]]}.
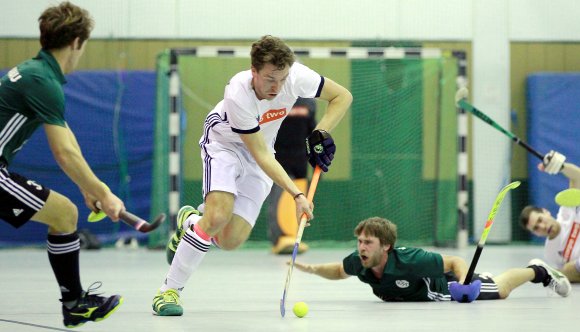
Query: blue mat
{"points": [[553, 109], [112, 115]]}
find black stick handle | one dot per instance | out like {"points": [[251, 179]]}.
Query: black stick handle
{"points": [[474, 261], [529, 148]]}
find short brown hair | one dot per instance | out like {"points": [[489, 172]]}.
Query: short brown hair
{"points": [[525, 215], [60, 25], [272, 50], [380, 228]]}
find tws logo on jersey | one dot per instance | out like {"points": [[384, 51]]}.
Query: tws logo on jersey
{"points": [[272, 115], [402, 283]]}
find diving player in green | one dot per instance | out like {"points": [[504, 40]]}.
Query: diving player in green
{"points": [[31, 95], [414, 274]]}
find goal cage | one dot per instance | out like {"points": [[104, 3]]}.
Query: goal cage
{"points": [[400, 148]]}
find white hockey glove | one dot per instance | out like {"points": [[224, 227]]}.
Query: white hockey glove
{"points": [[553, 162]]}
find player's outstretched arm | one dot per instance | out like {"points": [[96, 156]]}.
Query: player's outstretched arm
{"points": [[555, 162], [67, 154], [268, 163], [455, 264], [339, 100], [332, 271], [572, 172]]}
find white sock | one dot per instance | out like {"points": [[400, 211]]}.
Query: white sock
{"points": [[190, 252], [191, 220]]}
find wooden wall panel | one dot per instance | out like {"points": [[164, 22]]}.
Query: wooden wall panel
{"points": [[528, 58]]}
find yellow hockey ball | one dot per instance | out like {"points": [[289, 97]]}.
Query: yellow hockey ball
{"points": [[300, 309]]}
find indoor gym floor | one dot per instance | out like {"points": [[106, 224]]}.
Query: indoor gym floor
{"points": [[241, 290]]}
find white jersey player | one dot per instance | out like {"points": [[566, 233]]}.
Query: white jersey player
{"points": [[239, 166], [562, 248], [241, 113]]}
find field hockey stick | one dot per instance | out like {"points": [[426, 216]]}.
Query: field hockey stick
{"points": [[460, 101], [134, 221], [303, 219], [485, 232]]}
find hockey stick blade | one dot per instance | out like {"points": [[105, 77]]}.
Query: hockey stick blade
{"points": [[311, 191], [496, 204], [139, 223], [569, 197]]}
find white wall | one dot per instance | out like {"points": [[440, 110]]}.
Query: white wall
{"points": [[541, 20], [489, 24], [247, 19], [490, 93]]}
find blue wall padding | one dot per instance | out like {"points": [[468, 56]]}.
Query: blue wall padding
{"points": [[553, 109], [112, 115]]}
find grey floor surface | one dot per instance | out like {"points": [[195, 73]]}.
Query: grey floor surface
{"points": [[240, 291]]}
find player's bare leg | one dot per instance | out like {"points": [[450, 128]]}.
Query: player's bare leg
{"points": [[537, 272], [191, 251], [234, 234], [59, 213], [512, 279]]}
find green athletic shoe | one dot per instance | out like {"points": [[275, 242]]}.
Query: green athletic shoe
{"points": [[173, 242], [90, 307], [167, 303]]}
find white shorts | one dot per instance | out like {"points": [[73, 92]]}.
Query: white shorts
{"points": [[231, 168]]}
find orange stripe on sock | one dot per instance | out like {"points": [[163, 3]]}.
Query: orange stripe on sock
{"points": [[201, 233]]}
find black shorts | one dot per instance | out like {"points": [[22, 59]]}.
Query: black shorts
{"points": [[489, 289], [20, 198]]}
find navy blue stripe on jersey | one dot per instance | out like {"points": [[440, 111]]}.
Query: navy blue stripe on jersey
{"points": [[248, 131], [319, 91], [195, 243], [212, 120], [207, 174], [63, 248], [19, 192], [10, 130]]}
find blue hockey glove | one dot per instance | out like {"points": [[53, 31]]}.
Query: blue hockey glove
{"points": [[465, 293], [320, 148]]}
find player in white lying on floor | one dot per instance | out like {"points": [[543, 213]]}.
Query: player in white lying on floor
{"points": [[238, 158], [414, 274], [562, 248]]}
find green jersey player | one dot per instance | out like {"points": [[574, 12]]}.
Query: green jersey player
{"points": [[413, 274], [31, 95]]}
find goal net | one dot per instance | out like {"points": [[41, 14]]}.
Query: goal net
{"points": [[396, 148]]}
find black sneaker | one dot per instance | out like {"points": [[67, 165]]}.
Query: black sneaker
{"points": [[90, 307]]}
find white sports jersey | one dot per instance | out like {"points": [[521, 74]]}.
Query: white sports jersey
{"points": [[554, 249], [240, 112]]}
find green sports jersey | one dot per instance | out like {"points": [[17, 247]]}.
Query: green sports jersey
{"points": [[411, 274], [30, 94]]}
